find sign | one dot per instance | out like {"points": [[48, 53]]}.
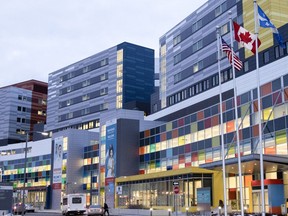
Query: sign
{"points": [[119, 190], [57, 163], [175, 183], [176, 189]]}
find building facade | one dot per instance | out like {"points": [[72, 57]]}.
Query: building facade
{"points": [[136, 161], [23, 106], [121, 77]]}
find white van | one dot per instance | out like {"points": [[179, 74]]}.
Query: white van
{"points": [[74, 204]]}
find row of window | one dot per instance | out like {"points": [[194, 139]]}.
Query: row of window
{"points": [[226, 75], [83, 84], [83, 70], [82, 98], [83, 112], [24, 98], [195, 89], [23, 120], [199, 24]]}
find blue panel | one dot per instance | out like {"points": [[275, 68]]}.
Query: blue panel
{"points": [[276, 195]]}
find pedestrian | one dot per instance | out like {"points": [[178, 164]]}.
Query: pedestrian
{"points": [[106, 209]]}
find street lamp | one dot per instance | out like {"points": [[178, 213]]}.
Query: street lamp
{"points": [[25, 164]]}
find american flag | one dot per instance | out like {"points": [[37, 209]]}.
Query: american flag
{"points": [[237, 62]]}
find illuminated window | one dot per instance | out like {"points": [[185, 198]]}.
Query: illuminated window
{"points": [[268, 114], [120, 55], [163, 50], [119, 86], [119, 101], [119, 70]]}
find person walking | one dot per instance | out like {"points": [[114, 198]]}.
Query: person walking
{"points": [[106, 209]]}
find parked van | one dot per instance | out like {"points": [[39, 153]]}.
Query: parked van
{"points": [[73, 204]]}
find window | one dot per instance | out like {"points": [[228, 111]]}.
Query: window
{"points": [[278, 52], [177, 58], [120, 55], [76, 200], [103, 77], [85, 97], [224, 29], [218, 11], [246, 66], [18, 119], [198, 66], [266, 57], [103, 91], [19, 108], [177, 40], [85, 69], [103, 62]]}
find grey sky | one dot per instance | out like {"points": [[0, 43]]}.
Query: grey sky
{"points": [[38, 37]]}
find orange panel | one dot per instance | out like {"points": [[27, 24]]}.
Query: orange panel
{"points": [[200, 115], [230, 126], [163, 137], [255, 131], [286, 94], [270, 150], [175, 133], [266, 89], [247, 180], [214, 120], [147, 133]]}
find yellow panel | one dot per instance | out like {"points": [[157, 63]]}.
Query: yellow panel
{"points": [[276, 10]]}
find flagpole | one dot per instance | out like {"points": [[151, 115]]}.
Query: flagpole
{"points": [[259, 112], [221, 124], [236, 120]]}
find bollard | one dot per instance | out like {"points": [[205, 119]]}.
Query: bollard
{"points": [[187, 211], [169, 212], [151, 209]]}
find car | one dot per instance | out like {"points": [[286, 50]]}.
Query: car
{"points": [[18, 208], [95, 210], [29, 208]]}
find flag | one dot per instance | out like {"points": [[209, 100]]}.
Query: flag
{"points": [[237, 62], [265, 22], [247, 39]]}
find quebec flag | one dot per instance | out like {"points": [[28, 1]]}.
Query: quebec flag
{"points": [[265, 22]]}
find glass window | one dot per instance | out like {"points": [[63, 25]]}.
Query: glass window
{"points": [[266, 57], [120, 55], [246, 66]]}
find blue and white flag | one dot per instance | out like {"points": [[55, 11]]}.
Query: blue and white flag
{"points": [[265, 22]]}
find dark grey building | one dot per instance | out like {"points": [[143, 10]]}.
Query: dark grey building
{"points": [[121, 77]]}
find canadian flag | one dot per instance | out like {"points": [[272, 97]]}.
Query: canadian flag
{"points": [[247, 39]]}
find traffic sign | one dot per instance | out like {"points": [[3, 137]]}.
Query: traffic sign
{"points": [[176, 189]]}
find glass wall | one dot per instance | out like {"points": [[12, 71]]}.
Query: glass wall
{"points": [[159, 191]]}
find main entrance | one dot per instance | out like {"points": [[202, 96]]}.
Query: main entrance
{"points": [[257, 201]]}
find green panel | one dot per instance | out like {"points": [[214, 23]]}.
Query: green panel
{"points": [[194, 127], [152, 165], [169, 126], [201, 155], [244, 110], [216, 141], [152, 148], [281, 137], [158, 164]]}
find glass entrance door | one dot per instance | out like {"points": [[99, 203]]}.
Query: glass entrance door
{"points": [[257, 201]]}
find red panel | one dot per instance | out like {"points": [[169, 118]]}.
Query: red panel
{"points": [[175, 133], [266, 182], [207, 123], [187, 148], [56, 186], [275, 210], [141, 172], [180, 122]]}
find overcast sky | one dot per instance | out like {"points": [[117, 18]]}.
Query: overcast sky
{"points": [[38, 37]]}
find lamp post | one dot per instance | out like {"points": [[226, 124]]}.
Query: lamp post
{"points": [[25, 164]]}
